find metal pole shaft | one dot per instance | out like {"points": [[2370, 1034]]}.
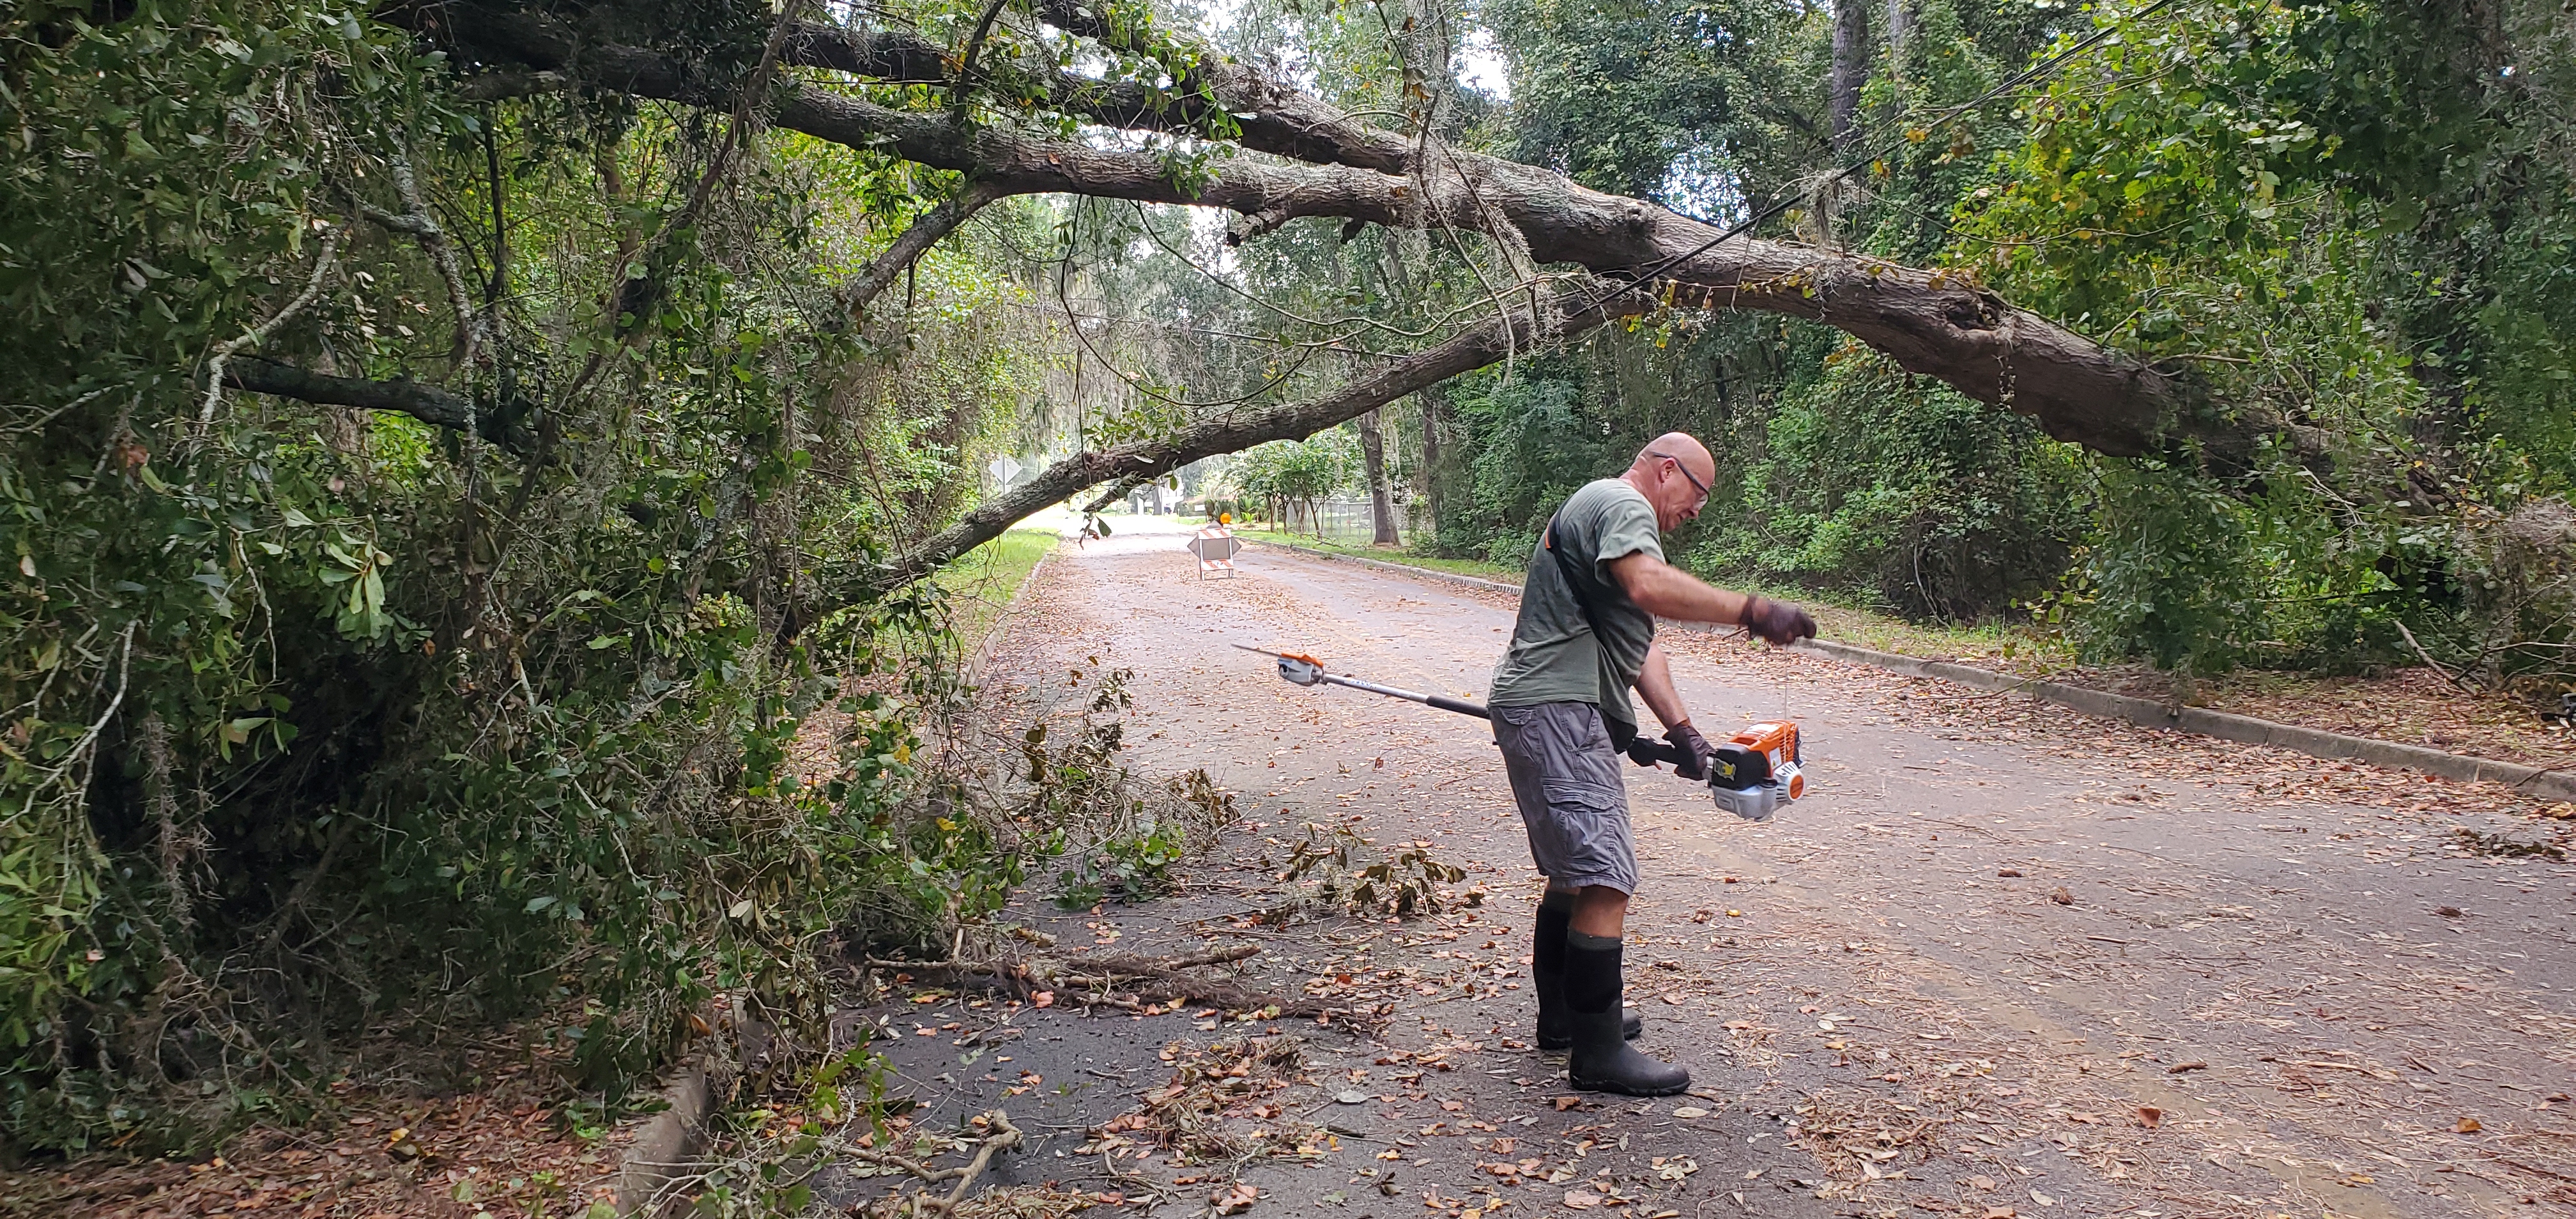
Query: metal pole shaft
{"points": [[1438, 701]]}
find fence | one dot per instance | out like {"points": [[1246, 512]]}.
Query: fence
{"points": [[1345, 520]]}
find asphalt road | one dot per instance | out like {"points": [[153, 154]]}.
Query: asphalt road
{"points": [[2003, 959]]}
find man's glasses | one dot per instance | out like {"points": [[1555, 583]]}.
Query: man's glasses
{"points": [[1677, 464]]}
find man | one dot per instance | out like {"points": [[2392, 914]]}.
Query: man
{"points": [[1561, 715]]}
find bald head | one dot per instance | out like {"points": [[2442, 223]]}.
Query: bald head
{"points": [[1681, 447], [1673, 473]]}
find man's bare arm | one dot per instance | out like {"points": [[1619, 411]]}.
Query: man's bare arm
{"points": [[1666, 591]]}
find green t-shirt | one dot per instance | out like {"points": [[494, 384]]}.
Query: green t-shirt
{"points": [[1553, 657]]}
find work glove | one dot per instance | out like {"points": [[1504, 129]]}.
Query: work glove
{"points": [[1695, 751], [1776, 621]]}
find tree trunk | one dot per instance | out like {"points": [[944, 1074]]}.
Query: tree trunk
{"points": [[1900, 26], [1851, 67], [1435, 408], [1381, 498]]}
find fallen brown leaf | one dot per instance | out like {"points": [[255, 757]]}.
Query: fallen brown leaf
{"points": [[2150, 1117], [2468, 1125]]}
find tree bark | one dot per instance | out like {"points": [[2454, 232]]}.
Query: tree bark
{"points": [[1851, 67], [1381, 499], [1435, 410], [1938, 322], [427, 403]]}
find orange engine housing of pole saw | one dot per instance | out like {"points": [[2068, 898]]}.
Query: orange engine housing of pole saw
{"points": [[1760, 753]]}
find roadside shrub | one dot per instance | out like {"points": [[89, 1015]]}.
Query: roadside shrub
{"points": [[1898, 493]]}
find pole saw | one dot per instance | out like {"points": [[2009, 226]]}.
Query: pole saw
{"points": [[1751, 775]]}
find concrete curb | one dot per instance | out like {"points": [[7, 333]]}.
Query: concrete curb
{"points": [[668, 1143], [2146, 713], [2226, 726], [1398, 568]]}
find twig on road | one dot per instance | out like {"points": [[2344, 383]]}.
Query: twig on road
{"points": [[1003, 1137]]}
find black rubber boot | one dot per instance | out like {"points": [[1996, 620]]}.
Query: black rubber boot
{"points": [[1556, 1023], [1600, 1059], [1547, 974]]}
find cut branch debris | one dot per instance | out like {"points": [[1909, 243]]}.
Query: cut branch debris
{"points": [[1123, 981]]}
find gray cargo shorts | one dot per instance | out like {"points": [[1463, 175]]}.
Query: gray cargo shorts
{"points": [[1565, 777]]}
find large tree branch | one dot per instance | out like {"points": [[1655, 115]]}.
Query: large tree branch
{"points": [[1935, 323], [427, 403], [896, 56], [1570, 313]]}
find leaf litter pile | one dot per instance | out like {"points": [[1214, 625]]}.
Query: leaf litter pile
{"points": [[511, 1144], [1220, 1111]]}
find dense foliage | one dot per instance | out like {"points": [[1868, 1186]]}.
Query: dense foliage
{"points": [[333, 721], [2351, 215]]}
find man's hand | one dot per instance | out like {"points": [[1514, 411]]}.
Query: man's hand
{"points": [[1695, 751], [1776, 621]]}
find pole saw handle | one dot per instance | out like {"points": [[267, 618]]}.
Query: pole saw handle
{"points": [[1445, 703], [1646, 751]]}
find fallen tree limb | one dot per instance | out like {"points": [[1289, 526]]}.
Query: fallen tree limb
{"points": [[1001, 1136], [1235, 999], [1010, 976], [1936, 322], [425, 402], [1159, 965], [1483, 344], [913, 242]]}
